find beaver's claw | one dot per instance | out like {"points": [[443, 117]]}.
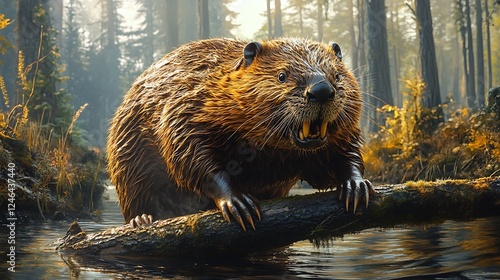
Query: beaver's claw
{"points": [[238, 206], [360, 187], [141, 220]]}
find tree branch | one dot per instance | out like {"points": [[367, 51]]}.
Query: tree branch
{"points": [[412, 10]]}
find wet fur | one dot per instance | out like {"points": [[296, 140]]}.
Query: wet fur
{"points": [[202, 110]]}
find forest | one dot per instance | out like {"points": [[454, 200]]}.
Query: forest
{"points": [[429, 73]]}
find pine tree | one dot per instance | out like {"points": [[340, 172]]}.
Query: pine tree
{"points": [[188, 25], [172, 22], [488, 44], [148, 28], [105, 88], [320, 19], [471, 91], [221, 18], [431, 97], [269, 20], [204, 19], [465, 29], [74, 56], [481, 92], [37, 40], [278, 26], [378, 59]]}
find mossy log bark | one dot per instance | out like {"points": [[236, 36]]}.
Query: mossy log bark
{"points": [[286, 220]]}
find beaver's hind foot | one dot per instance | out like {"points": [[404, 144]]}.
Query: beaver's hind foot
{"points": [[141, 220]]}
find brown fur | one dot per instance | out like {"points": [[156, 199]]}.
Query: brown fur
{"points": [[203, 109]]}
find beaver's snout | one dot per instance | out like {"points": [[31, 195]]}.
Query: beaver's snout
{"points": [[320, 92], [319, 96]]}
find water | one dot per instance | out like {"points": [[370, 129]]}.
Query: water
{"points": [[452, 250]]}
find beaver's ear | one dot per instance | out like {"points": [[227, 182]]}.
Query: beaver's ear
{"points": [[337, 50], [251, 51]]}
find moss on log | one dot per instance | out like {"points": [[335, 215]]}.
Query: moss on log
{"points": [[294, 218]]}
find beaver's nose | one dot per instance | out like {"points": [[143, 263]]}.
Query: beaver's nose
{"points": [[321, 92]]}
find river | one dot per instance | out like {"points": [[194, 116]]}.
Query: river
{"points": [[451, 250]]}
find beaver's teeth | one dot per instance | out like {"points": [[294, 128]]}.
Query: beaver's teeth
{"points": [[324, 125], [301, 135], [306, 127]]}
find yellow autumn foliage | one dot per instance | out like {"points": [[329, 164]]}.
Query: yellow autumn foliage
{"points": [[464, 146], [4, 44]]}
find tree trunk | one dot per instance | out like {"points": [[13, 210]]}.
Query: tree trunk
{"points": [[353, 36], [148, 45], [362, 71], [188, 27], [278, 26], [481, 93], [361, 46], [301, 17], [378, 61], [286, 220], [471, 91], [56, 9], [398, 100], [431, 97], [456, 71], [172, 25], [204, 20], [398, 97], [320, 19], [111, 53], [488, 44], [110, 24], [463, 34], [269, 20]]}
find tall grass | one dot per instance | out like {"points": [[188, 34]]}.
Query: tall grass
{"points": [[54, 160], [65, 178], [43, 155]]}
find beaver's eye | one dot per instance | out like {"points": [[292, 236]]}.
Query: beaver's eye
{"points": [[337, 77], [282, 77]]}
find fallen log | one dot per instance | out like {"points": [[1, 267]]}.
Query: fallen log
{"points": [[290, 219]]}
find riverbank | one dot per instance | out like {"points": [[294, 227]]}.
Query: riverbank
{"points": [[51, 183]]}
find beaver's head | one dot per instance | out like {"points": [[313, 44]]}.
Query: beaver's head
{"points": [[292, 94]]}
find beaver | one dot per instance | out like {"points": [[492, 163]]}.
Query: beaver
{"points": [[226, 123]]}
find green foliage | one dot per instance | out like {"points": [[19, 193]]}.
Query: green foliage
{"points": [[412, 147], [46, 101]]}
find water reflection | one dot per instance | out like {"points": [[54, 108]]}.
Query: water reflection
{"points": [[465, 250], [449, 250]]}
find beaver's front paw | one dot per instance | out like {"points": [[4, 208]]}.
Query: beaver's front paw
{"points": [[353, 189], [230, 201], [238, 206], [141, 220]]}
